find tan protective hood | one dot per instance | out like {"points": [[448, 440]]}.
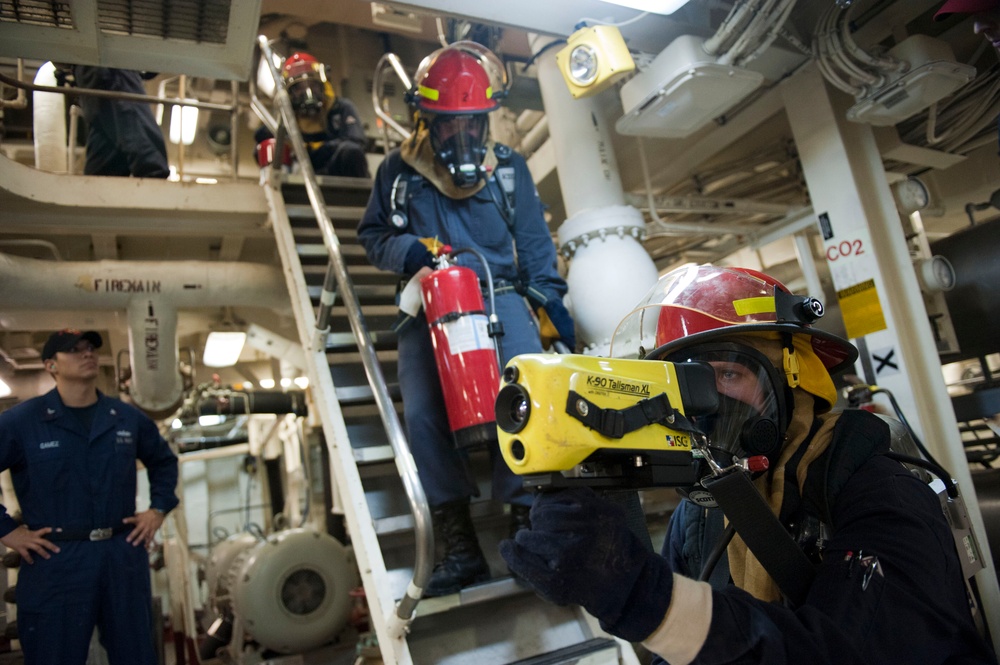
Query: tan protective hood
{"points": [[416, 151]]}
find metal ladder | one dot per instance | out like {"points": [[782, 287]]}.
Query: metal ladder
{"points": [[344, 309]]}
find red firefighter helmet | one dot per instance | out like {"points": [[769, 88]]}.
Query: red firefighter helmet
{"points": [[462, 78], [697, 304], [299, 66], [305, 80]]}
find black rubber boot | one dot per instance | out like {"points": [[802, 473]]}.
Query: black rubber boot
{"points": [[463, 563], [519, 519]]}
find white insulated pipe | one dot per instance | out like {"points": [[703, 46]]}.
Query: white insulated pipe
{"points": [[49, 123], [152, 343], [33, 283], [588, 170], [151, 293], [609, 271]]}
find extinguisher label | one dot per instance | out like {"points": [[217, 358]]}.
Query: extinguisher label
{"points": [[468, 333]]}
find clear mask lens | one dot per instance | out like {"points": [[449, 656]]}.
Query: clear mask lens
{"points": [[749, 400], [307, 97], [459, 143]]}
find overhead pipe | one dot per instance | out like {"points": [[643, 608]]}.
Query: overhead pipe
{"points": [[151, 292], [240, 403], [610, 270]]}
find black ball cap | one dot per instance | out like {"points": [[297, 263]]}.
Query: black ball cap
{"points": [[66, 339]]}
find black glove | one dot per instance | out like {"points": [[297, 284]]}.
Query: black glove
{"points": [[417, 257], [580, 551], [562, 320]]}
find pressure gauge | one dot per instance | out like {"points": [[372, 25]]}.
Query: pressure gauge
{"points": [[912, 195], [936, 274], [583, 64]]}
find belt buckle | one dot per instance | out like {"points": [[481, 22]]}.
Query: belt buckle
{"points": [[100, 534]]}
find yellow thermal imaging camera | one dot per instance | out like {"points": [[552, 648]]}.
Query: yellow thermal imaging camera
{"points": [[604, 422]]}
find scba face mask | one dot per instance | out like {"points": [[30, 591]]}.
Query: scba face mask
{"points": [[307, 97], [752, 414], [459, 144]]}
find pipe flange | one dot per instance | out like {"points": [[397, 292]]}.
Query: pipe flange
{"points": [[569, 248]]}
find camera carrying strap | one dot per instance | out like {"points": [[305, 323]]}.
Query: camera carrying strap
{"points": [[616, 423], [763, 534]]}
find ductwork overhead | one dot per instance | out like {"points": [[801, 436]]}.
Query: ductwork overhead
{"points": [[152, 293]]}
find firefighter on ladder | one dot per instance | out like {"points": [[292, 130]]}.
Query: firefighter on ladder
{"points": [[449, 183]]}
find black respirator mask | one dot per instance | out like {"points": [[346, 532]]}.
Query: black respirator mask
{"points": [[307, 97], [752, 415], [459, 144]]}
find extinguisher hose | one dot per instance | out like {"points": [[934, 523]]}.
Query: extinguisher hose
{"points": [[495, 327]]}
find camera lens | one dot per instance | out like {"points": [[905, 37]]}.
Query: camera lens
{"points": [[512, 408]]}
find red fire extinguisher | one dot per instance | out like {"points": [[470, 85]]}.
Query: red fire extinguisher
{"points": [[466, 348]]}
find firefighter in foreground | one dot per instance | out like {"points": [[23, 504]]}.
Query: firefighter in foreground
{"points": [[72, 457], [888, 585], [330, 125], [448, 183]]}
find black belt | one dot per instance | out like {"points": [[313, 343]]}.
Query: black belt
{"points": [[92, 534]]}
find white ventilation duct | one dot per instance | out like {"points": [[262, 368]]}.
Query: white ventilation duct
{"points": [[151, 293], [610, 270], [49, 123]]}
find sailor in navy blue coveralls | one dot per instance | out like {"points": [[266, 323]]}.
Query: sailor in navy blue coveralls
{"points": [[80, 482], [123, 137], [476, 222]]}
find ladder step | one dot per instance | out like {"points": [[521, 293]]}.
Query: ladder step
{"points": [[367, 293], [502, 587], [382, 339], [374, 455], [346, 235], [362, 394], [335, 213], [576, 652], [312, 251]]}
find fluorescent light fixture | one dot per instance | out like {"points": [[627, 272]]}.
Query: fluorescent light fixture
{"points": [[651, 6], [265, 82], [222, 349], [5, 390], [267, 384], [183, 123], [208, 421]]}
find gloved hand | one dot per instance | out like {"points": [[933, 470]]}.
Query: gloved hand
{"points": [[555, 322], [416, 258], [580, 551]]}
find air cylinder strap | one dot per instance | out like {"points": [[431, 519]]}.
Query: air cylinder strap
{"points": [[763, 534]]}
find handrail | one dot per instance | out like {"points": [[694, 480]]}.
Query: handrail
{"points": [[424, 535], [113, 94], [397, 66], [232, 109], [21, 101]]}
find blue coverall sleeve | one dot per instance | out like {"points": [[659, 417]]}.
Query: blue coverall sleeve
{"points": [[161, 466], [536, 253], [351, 127], [385, 245], [855, 613]]}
